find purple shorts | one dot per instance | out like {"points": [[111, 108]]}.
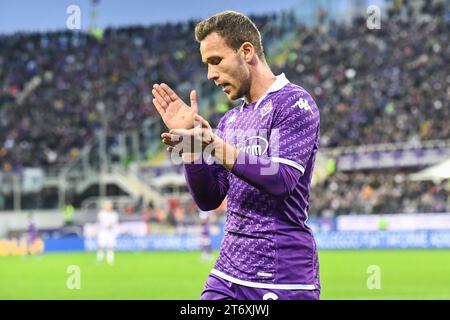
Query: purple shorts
{"points": [[217, 288]]}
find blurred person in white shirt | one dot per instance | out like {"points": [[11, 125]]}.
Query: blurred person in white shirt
{"points": [[108, 223]]}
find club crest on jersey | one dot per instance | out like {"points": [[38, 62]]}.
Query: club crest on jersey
{"points": [[266, 108], [302, 104]]}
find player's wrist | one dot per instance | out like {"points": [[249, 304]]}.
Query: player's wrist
{"points": [[224, 153]]}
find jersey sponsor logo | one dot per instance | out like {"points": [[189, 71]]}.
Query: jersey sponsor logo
{"points": [[266, 109], [255, 145], [302, 104]]}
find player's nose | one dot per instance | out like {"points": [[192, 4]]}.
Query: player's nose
{"points": [[212, 74]]}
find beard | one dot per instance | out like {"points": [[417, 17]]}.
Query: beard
{"points": [[242, 90]]}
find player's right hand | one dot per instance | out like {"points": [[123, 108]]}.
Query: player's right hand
{"points": [[189, 143], [175, 113]]}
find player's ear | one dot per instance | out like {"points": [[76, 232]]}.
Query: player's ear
{"points": [[248, 51]]}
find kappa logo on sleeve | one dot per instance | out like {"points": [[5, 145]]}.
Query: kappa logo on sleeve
{"points": [[302, 104], [231, 119]]}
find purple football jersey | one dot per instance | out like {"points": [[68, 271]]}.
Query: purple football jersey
{"points": [[267, 243]]}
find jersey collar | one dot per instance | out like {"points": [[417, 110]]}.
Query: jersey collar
{"points": [[279, 83]]}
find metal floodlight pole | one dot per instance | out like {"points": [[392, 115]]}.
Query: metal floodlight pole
{"points": [[103, 154], [17, 192], [135, 145], [93, 15], [62, 189]]}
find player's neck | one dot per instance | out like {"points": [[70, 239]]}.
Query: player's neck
{"points": [[262, 79]]}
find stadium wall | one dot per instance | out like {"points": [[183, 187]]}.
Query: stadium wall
{"points": [[335, 240], [13, 220], [342, 240], [353, 232], [148, 243]]}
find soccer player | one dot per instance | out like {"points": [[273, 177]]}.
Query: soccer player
{"points": [[263, 158], [32, 237], [108, 222]]}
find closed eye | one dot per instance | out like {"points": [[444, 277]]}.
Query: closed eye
{"points": [[214, 60]]}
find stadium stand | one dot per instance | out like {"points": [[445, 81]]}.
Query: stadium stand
{"points": [[61, 91]]}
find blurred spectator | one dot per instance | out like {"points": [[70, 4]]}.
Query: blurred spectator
{"points": [[205, 236], [108, 230], [69, 211]]}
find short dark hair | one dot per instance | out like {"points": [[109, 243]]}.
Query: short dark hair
{"points": [[234, 27]]}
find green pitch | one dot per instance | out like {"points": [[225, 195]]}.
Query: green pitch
{"points": [[395, 274]]}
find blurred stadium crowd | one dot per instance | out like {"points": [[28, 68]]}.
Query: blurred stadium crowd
{"points": [[378, 86], [78, 77], [372, 86], [383, 85], [375, 193]]}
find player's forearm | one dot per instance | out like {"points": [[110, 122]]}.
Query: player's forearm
{"points": [[224, 153], [206, 184], [276, 179]]}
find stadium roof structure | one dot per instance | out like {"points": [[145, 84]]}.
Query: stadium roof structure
{"points": [[438, 172], [169, 179]]}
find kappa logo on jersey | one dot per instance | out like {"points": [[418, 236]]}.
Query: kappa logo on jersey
{"points": [[255, 145], [302, 104], [266, 108], [231, 119]]}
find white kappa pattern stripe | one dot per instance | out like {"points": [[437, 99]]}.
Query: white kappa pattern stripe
{"points": [[263, 285], [289, 163]]}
